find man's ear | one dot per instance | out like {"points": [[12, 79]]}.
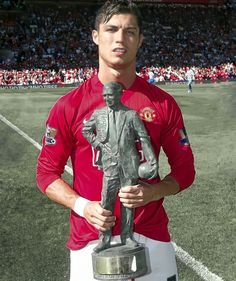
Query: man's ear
{"points": [[141, 37], [95, 36]]}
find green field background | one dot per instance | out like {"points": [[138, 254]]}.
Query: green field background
{"points": [[34, 230]]}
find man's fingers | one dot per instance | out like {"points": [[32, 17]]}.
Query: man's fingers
{"points": [[100, 228], [100, 218], [132, 203], [131, 192], [101, 225], [103, 212], [131, 200], [129, 189], [135, 196], [104, 219]]}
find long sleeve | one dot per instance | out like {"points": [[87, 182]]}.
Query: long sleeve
{"points": [[176, 146], [56, 147]]}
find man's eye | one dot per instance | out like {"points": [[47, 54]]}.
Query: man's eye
{"points": [[130, 32], [111, 29]]}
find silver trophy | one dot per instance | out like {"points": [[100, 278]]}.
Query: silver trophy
{"points": [[114, 131]]}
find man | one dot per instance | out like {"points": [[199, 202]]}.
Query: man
{"points": [[118, 35], [113, 130], [190, 78]]}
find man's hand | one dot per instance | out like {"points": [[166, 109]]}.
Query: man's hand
{"points": [[144, 193], [137, 195], [98, 217]]}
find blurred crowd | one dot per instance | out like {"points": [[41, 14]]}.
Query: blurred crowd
{"points": [[220, 72], [45, 76], [152, 74], [12, 4], [55, 46]]}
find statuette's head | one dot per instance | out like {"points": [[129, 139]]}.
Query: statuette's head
{"points": [[112, 92]]}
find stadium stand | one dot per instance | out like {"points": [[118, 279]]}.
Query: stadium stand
{"points": [[51, 44]]}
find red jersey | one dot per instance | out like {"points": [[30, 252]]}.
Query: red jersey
{"points": [[63, 139]]}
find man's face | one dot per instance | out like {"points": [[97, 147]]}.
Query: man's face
{"points": [[111, 97], [118, 41]]}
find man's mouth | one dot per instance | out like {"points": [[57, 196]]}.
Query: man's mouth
{"points": [[120, 51]]}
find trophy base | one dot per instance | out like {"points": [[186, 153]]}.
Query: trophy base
{"points": [[120, 262]]}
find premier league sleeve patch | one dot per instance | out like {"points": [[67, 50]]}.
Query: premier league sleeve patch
{"points": [[50, 136], [183, 137]]}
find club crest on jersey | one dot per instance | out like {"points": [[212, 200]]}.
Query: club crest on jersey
{"points": [[50, 135], [183, 137], [147, 114]]}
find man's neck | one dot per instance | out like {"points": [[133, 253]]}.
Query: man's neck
{"points": [[124, 76]]}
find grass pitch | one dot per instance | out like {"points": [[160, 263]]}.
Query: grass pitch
{"points": [[202, 219]]}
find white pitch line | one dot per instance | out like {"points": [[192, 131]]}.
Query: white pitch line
{"points": [[29, 139], [200, 269], [195, 265]]}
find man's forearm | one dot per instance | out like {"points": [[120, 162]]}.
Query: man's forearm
{"points": [[168, 186], [62, 193]]}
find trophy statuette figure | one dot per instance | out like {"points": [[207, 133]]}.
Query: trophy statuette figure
{"points": [[113, 130]]}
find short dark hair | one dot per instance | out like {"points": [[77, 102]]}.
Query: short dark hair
{"points": [[115, 7]]}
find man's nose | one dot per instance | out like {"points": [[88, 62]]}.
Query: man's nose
{"points": [[120, 35]]}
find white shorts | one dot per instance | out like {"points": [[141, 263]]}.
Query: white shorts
{"points": [[162, 261]]}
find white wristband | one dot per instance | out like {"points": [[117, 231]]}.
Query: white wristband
{"points": [[79, 206]]}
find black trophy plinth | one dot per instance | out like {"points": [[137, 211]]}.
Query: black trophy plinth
{"points": [[120, 262]]}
